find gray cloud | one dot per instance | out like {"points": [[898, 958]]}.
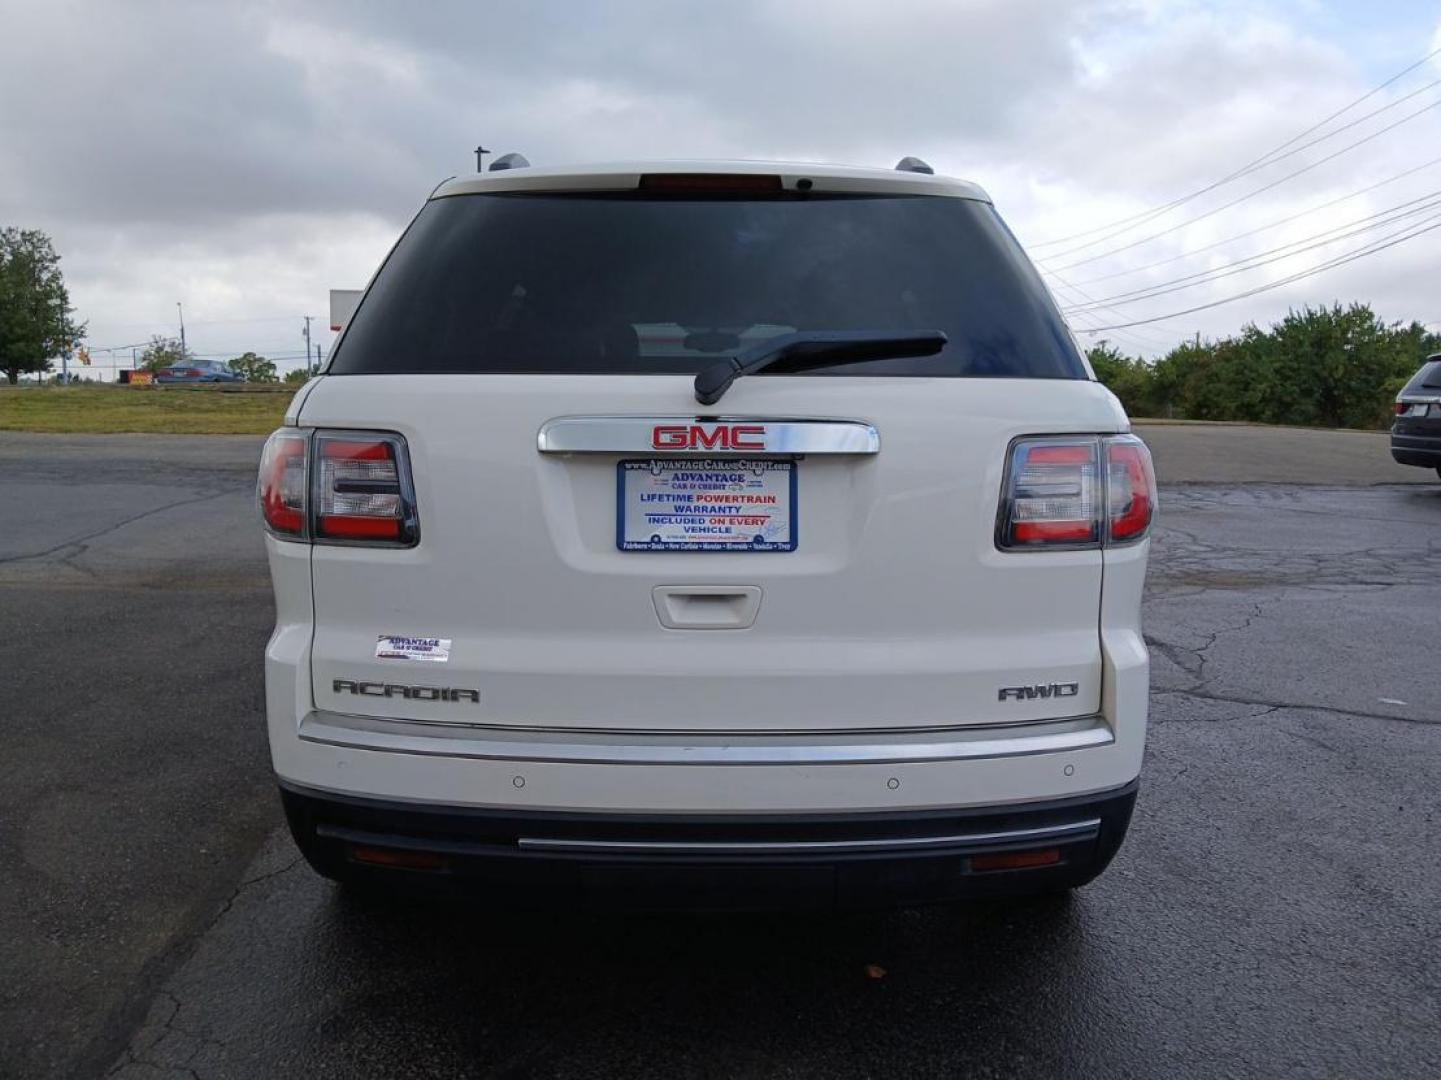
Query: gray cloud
{"points": [[245, 157]]}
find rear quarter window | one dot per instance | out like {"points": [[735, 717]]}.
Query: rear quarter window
{"points": [[606, 284]]}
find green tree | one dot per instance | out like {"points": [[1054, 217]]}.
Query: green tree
{"points": [[1131, 379], [163, 352], [1324, 367], [36, 321], [298, 376], [254, 368]]}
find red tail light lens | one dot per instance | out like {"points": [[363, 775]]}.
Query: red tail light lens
{"points": [[1053, 494], [362, 489], [347, 487], [1057, 496], [282, 483], [1132, 489]]}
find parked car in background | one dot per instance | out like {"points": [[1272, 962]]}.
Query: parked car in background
{"points": [[1416, 434], [198, 371]]}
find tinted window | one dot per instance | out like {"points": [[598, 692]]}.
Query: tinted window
{"points": [[1428, 378], [603, 284]]}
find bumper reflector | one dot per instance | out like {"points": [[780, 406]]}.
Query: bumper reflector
{"points": [[398, 858], [1016, 860]]}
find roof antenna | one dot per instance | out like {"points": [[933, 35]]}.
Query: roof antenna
{"points": [[906, 164], [509, 161]]}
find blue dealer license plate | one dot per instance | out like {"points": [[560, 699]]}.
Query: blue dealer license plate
{"points": [[678, 504]]}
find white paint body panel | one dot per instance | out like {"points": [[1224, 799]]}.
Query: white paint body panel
{"points": [[895, 612], [625, 175]]}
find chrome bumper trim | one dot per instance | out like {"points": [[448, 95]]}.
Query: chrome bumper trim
{"points": [[1078, 830], [633, 748]]}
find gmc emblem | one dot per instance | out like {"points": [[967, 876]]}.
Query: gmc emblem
{"points": [[709, 437]]}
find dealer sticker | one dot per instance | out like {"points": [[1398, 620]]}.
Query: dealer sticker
{"points": [[432, 650], [690, 504]]}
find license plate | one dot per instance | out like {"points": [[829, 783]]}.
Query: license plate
{"points": [[678, 504]]}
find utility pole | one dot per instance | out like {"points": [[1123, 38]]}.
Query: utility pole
{"points": [[181, 309], [308, 368], [480, 152]]}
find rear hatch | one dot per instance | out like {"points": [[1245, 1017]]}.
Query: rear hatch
{"points": [[1418, 406], [833, 562]]}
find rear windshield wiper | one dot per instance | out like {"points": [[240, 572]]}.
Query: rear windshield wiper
{"points": [[815, 348]]}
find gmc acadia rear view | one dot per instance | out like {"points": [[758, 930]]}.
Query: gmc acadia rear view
{"points": [[709, 535]]}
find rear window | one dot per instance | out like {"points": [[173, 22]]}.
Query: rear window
{"points": [[1428, 378], [605, 284]]}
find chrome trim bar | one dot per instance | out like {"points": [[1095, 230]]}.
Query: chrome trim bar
{"points": [[1079, 830], [971, 743], [707, 436]]}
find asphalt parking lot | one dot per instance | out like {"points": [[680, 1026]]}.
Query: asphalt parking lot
{"points": [[1272, 913]]}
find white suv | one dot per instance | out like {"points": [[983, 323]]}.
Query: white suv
{"points": [[708, 534]]}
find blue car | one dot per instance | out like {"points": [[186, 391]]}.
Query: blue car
{"points": [[198, 371]]}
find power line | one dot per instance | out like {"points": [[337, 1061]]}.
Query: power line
{"points": [[1245, 172], [1138, 337], [1265, 159], [1250, 194], [1252, 262], [116, 348], [1125, 336], [1144, 340], [1263, 228], [1331, 264]]}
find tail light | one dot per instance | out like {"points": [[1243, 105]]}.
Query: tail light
{"points": [[1130, 488], [338, 487], [1411, 408], [1057, 495], [282, 483]]}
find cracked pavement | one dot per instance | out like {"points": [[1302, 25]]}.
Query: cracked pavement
{"points": [[1271, 914]]}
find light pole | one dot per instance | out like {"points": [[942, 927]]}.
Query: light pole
{"points": [[180, 308], [480, 152]]}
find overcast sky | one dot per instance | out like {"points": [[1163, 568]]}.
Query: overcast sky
{"points": [[247, 157]]}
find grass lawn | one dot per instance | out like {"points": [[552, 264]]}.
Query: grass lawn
{"points": [[163, 410]]}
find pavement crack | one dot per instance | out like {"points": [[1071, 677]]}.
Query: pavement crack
{"points": [[247, 883], [1278, 706], [1193, 661], [83, 541]]}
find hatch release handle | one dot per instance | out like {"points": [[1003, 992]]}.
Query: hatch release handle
{"points": [[706, 607]]}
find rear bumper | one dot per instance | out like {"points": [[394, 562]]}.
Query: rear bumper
{"points": [[1421, 450], [716, 862], [601, 773]]}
